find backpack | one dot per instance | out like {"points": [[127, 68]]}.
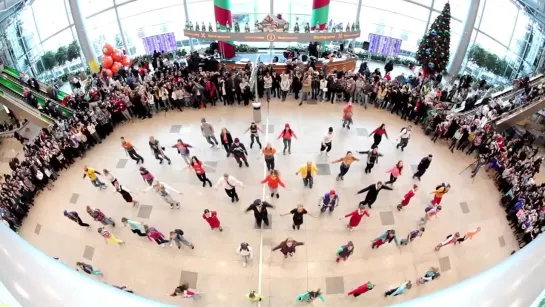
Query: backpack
{"points": [[428, 208], [442, 185], [179, 232]]}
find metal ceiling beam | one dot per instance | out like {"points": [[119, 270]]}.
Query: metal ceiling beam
{"points": [[532, 9]]}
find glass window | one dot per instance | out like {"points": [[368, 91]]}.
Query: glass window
{"points": [[62, 39], [202, 11], [396, 6], [499, 19], [68, 11], [50, 16], [102, 29], [521, 32], [118, 2], [343, 12], [492, 46], [90, 7], [142, 6], [458, 8]]}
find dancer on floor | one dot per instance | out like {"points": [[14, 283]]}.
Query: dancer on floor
{"points": [[395, 172], [99, 216], [130, 150], [229, 184], [287, 134], [177, 237], [407, 198], [183, 150], [146, 176], [245, 251], [412, 235], [387, 237], [372, 158], [431, 274], [109, 237], [288, 247], [226, 140], [308, 171], [372, 193], [211, 217], [260, 212], [162, 189], [111, 178], [439, 192], [404, 137], [126, 194], [136, 227], [268, 154], [326, 142], [406, 286], [74, 217], [345, 251], [198, 167], [346, 161], [451, 239], [422, 167], [88, 269], [355, 217], [377, 135], [239, 152], [186, 292], [207, 131], [254, 134], [310, 296], [470, 234], [368, 286], [347, 115], [273, 181], [254, 297], [157, 150], [155, 235], [429, 212], [330, 200], [92, 174], [298, 214]]}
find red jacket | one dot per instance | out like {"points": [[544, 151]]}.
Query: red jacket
{"points": [[287, 134], [361, 289], [154, 234], [407, 197], [273, 182]]}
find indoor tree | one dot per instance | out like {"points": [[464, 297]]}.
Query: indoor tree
{"points": [[72, 52], [49, 60], [434, 50], [61, 55]]}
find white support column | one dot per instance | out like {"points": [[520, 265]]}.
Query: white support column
{"points": [[83, 38], [191, 48], [469, 23], [121, 31]]}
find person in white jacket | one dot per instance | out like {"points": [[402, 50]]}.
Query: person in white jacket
{"points": [[162, 189], [245, 250], [323, 89], [284, 84]]}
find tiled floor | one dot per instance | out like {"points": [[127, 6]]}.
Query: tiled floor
{"points": [[215, 269]]}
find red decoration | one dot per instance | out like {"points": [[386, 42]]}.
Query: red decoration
{"points": [[108, 72], [127, 61], [117, 55], [116, 67], [107, 49], [107, 61]]}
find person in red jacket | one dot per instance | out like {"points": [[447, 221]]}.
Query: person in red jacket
{"points": [[377, 135], [211, 217], [362, 289], [273, 181], [355, 217], [153, 234], [407, 198], [286, 136]]}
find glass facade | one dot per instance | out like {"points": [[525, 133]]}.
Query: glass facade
{"points": [[510, 38]]}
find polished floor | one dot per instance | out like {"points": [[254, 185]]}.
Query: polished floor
{"points": [[214, 268]]}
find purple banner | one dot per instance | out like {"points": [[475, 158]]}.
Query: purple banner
{"points": [[384, 45], [163, 43]]}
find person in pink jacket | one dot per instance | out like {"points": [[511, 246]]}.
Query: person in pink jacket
{"points": [[286, 134], [395, 172]]}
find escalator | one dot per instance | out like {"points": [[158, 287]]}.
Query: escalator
{"points": [[22, 110], [13, 75], [512, 117], [17, 91]]}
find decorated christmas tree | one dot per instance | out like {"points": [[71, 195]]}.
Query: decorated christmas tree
{"points": [[434, 50]]}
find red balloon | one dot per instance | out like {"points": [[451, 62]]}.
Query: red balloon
{"points": [[107, 61], [107, 49], [108, 72], [117, 55], [116, 67], [127, 60]]}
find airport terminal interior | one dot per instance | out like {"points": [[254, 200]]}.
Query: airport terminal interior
{"points": [[387, 86]]}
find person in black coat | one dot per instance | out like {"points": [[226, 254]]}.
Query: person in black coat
{"points": [[260, 211], [239, 152], [372, 193], [422, 167], [226, 140]]}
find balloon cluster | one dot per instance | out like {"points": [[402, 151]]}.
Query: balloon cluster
{"points": [[113, 60]]}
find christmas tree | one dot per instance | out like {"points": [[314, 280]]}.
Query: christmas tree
{"points": [[433, 52]]}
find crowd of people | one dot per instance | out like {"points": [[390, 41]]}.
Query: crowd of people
{"points": [[141, 92]]}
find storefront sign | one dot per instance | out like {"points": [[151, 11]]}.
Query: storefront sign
{"points": [[273, 36]]}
